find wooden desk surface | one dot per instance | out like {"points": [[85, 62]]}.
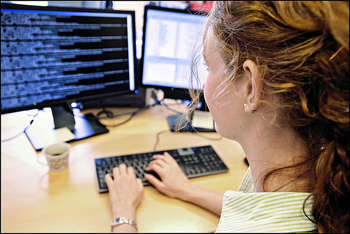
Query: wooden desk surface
{"points": [[35, 200]]}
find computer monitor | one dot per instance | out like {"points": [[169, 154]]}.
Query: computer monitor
{"points": [[53, 56], [170, 39]]}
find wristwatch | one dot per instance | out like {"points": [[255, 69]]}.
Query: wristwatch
{"points": [[121, 220]]}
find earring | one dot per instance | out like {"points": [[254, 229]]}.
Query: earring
{"points": [[245, 107]]}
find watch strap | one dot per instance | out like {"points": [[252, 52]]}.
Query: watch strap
{"points": [[122, 220]]}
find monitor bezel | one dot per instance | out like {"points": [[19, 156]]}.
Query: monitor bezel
{"points": [[169, 92], [83, 98]]}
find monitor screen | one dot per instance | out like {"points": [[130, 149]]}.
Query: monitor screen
{"points": [[54, 55], [170, 38]]}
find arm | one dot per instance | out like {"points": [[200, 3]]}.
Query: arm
{"points": [[125, 195], [174, 183], [204, 198]]}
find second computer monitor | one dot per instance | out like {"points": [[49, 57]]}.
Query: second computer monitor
{"points": [[169, 44]]}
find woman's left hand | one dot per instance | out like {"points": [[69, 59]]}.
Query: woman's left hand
{"points": [[125, 191]]}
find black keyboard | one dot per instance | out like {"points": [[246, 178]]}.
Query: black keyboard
{"points": [[194, 162]]}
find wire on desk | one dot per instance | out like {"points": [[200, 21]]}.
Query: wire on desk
{"points": [[111, 115], [23, 131], [157, 138], [132, 114], [209, 138], [166, 106]]}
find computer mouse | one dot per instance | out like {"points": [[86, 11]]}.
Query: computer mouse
{"points": [[154, 174]]}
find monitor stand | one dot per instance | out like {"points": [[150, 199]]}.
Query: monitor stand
{"points": [[44, 131], [188, 125]]}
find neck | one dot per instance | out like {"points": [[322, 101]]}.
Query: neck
{"points": [[269, 147]]}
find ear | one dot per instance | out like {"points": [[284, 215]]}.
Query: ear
{"points": [[254, 86]]}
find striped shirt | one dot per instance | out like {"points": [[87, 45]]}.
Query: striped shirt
{"points": [[248, 211]]}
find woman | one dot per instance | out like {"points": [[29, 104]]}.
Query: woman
{"points": [[277, 84]]}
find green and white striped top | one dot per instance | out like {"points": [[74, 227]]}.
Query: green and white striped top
{"points": [[248, 211]]}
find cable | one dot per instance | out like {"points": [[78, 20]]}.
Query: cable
{"points": [[161, 102], [157, 138], [132, 114], [109, 114], [166, 106], [23, 131], [17, 135], [209, 138]]}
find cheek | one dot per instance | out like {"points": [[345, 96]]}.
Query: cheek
{"points": [[208, 90], [216, 92], [221, 107]]}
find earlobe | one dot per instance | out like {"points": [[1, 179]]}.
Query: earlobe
{"points": [[254, 86]]}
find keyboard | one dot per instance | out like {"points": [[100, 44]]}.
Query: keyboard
{"points": [[194, 162]]}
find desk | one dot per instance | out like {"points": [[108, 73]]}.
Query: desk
{"points": [[35, 200]]}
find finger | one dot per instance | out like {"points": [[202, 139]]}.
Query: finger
{"points": [[122, 169], [116, 172], [150, 164], [108, 180], [168, 158], [156, 168], [155, 182], [160, 163], [158, 155], [131, 171], [159, 158]]}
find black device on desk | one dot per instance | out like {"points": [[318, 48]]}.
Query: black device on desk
{"points": [[168, 46], [53, 56], [194, 162]]}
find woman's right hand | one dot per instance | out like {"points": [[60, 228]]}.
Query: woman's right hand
{"points": [[173, 183]]}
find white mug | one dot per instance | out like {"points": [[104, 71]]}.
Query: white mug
{"points": [[57, 156]]}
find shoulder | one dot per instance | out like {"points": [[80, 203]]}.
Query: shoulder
{"points": [[265, 212]]}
